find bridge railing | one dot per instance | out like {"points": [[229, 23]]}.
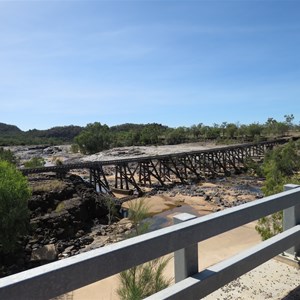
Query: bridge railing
{"points": [[60, 277]]}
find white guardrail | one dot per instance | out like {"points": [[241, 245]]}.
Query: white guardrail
{"points": [[57, 278]]}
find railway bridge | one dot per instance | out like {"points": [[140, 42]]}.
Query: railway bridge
{"points": [[130, 174]]}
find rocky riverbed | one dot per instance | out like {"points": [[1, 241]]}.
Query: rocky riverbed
{"points": [[64, 153], [68, 217]]}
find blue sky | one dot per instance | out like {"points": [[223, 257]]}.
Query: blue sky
{"points": [[177, 63]]}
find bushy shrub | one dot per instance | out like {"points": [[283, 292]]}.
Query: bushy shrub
{"points": [[281, 166], [35, 162], [7, 155], [14, 213]]}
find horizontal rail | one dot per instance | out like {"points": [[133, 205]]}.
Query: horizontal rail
{"points": [[59, 277], [212, 278]]}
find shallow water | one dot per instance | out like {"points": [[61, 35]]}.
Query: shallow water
{"points": [[162, 220]]}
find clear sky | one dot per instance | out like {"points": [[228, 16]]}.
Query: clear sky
{"points": [[177, 63]]}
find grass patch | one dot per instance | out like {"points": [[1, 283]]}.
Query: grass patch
{"points": [[48, 185], [60, 207]]}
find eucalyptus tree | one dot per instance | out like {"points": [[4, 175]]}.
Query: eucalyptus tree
{"points": [[94, 138]]}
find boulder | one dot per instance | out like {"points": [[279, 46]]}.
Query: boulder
{"points": [[46, 253]]}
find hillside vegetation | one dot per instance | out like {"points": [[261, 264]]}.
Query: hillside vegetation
{"points": [[12, 135], [95, 137]]}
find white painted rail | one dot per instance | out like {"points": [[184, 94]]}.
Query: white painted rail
{"points": [[60, 277]]}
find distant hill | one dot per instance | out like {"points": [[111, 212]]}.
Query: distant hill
{"points": [[65, 133], [136, 127], [12, 135], [6, 129]]}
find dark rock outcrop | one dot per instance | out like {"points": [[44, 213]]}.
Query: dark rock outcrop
{"points": [[62, 223], [61, 214]]}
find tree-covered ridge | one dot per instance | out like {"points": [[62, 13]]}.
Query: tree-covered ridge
{"points": [[96, 137], [12, 135], [63, 133], [6, 128]]}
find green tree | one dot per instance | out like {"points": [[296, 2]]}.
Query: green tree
{"points": [[176, 136], [146, 279], [281, 166], [282, 129], [211, 132], [223, 127], [254, 130], [289, 120], [35, 162], [7, 155], [94, 138], [14, 213], [275, 128], [151, 133], [270, 126], [132, 138], [231, 130], [196, 130]]}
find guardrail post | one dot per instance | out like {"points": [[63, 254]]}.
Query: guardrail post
{"points": [[291, 217], [186, 259]]}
